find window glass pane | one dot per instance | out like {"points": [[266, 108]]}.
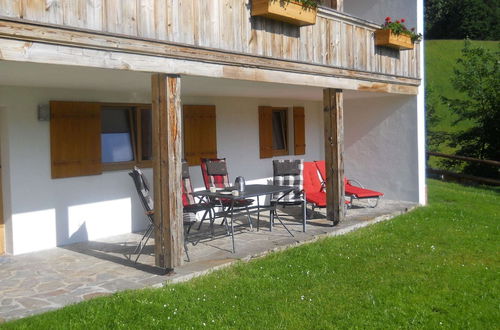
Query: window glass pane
{"points": [[279, 129], [115, 120], [116, 137], [147, 136], [116, 147]]}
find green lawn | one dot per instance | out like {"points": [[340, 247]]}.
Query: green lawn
{"points": [[440, 59], [436, 267]]}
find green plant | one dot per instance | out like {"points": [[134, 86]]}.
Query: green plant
{"points": [[305, 3], [398, 27]]}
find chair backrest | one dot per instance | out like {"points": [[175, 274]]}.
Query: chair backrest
{"points": [[214, 171], [288, 173], [142, 187], [187, 187], [321, 166], [312, 181]]}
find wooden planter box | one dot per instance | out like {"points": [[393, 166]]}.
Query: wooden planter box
{"points": [[285, 11], [388, 39]]}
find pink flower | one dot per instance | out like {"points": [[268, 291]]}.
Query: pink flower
{"points": [[402, 20]]}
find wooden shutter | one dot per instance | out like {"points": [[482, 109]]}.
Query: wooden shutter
{"points": [[299, 131], [266, 132], [200, 133], [75, 139]]}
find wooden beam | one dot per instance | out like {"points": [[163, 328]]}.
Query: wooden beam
{"points": [[465, 159], [20, 51], [115, 46], [167, 125], [334, 154]]}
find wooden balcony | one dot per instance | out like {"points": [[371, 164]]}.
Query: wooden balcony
{"points": [[337, 40]]}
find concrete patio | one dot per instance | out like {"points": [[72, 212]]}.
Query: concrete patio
{"points": [[38, 282]]}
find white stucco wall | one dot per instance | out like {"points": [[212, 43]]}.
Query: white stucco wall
{"points": [[42, 213], [238, 135], [413, 12], [381, 145]]}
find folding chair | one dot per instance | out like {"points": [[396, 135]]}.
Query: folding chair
{"points": [[214, 172], [188, 201], [290, 173], [143, 190], [356, 191]]}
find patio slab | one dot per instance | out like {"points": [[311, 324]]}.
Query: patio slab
{"points": [[37, 282]]}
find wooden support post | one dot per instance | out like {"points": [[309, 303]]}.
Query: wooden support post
{"points": [[338, 5], [334, 154], [167, 117]]}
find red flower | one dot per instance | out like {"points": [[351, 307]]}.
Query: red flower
{"points": [[387, 18], [398, 22], [402, 20], [412, 29]]}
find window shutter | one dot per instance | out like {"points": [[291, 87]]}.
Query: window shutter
{"points": [[75, 139], [299, 131], [266, 132], [200, 133]]}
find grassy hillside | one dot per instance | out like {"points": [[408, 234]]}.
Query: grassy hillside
{"points": [[440, 59]]}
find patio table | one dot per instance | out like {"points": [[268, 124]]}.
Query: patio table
{"points": [[252, 190]]}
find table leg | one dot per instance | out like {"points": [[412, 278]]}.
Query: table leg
{"points": [[271, 218], [232, 227], [304, 216], [258, 213]]}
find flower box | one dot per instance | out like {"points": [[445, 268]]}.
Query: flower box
{"points": [[285, 11], [388, 38]]}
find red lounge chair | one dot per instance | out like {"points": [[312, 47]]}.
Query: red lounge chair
{"points": [[313, 187], [356, 191]]}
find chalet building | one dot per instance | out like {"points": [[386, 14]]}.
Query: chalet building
{"points": [[91, 88]]}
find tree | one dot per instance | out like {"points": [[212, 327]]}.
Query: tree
{"points": [[434, 137], [460, 19], [477, 77]]}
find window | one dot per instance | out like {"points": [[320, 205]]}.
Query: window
{"points": [[200, 133], [280, 129], [273, 131], [87, 138], [116, 135], [126, 136]]}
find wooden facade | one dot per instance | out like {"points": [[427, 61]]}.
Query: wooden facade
{"points": [[337, 39]]}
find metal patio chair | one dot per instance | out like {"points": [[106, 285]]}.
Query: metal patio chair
{"points": [[190, 205], [290, 173], [143, 190], [215, 174]]}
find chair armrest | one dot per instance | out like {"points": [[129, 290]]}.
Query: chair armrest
{"points": [[356, 182]]}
